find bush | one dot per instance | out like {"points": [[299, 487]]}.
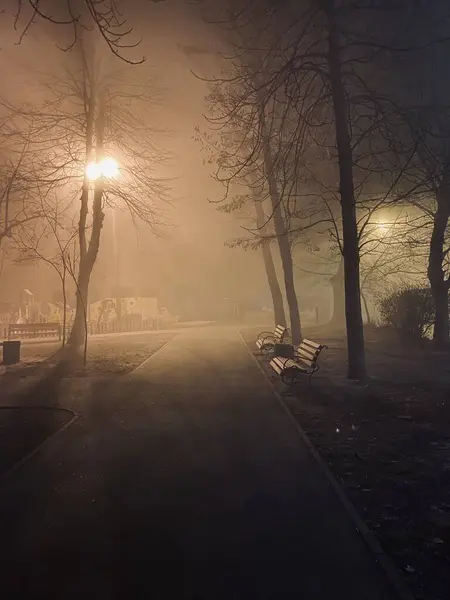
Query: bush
{"points": [[409, 310]]}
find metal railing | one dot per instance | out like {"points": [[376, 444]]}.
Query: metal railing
{"points": [[34, 330], [54, 330], [125, 325]]}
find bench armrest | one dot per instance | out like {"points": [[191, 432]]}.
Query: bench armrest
{"points": [[264, 335]]}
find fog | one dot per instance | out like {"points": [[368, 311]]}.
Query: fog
{"points": [[224, 298], [186, 264]]}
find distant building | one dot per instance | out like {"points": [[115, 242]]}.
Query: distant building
{"points": [[112, 309]]}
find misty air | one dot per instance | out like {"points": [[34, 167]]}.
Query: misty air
{"points": [[224, 299]]}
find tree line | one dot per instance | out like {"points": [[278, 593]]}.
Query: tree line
{"points": [[327, 116], [88, 107]]}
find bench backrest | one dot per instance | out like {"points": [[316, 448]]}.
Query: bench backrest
{"points": [[279, 333], [309, 351]]}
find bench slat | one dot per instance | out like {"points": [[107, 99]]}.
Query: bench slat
{"points": [[308, 363], [304, 362], [293, 364], [306, 353], [309, 351], [266, 340], [311, 343], [277, 364]]}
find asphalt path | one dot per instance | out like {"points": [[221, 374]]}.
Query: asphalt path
{"points": [[186, 480]]}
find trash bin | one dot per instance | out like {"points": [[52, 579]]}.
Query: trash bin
{"points": [[11, 352]]}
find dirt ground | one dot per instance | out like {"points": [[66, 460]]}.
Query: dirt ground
{"points": [[106, 356], [388, 443], [35, 393]]}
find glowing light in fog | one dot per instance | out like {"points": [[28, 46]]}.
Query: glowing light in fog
{"points": [[107, 167]]}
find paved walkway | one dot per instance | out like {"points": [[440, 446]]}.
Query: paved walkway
{"points": [[184, 480]]}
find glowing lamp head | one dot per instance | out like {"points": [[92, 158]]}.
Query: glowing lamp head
{"points": [[93, 171], [107, 167]]}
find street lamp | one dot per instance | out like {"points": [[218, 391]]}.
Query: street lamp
{"points": [[107, 167]]}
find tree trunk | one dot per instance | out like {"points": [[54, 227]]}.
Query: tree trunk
{"points": [[77, 334], [353, 313], [269, 266], [441, 320], [88, 255], [436, 275], [64, 306], [337, 285], [282, 236], [366, 308]]}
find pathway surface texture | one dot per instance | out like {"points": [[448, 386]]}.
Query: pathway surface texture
{"points": [[183, 480]]}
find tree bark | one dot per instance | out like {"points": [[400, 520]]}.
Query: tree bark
{"points": [[366, 308], [282, 237], [353, 313], [269, 266], [441, 320], [64, 293], [436, 275], [88, 255], [337, 285], [76, 338]]}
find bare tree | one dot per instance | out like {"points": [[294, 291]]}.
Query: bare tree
{"points": [[51, 241], [104, 16], [258, 237], [92, 114], [242, 134], [429, 178], [280, 226], [269, 265], [18, 206], [424, 187], [321, 75]]}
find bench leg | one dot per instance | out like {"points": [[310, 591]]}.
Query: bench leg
{"points": [[265, 353], [313, 373], [289, 381]]}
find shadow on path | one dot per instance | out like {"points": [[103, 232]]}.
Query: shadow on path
{"points": [[30, 418], [185, 480]]}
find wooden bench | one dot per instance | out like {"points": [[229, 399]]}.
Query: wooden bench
{"points": [[303, 363], [34, 330], [266, 340]]}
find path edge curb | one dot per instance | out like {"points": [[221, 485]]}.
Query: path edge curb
{"points": [[21, 462], [75, 416], [144, 362], [380, 556]]}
